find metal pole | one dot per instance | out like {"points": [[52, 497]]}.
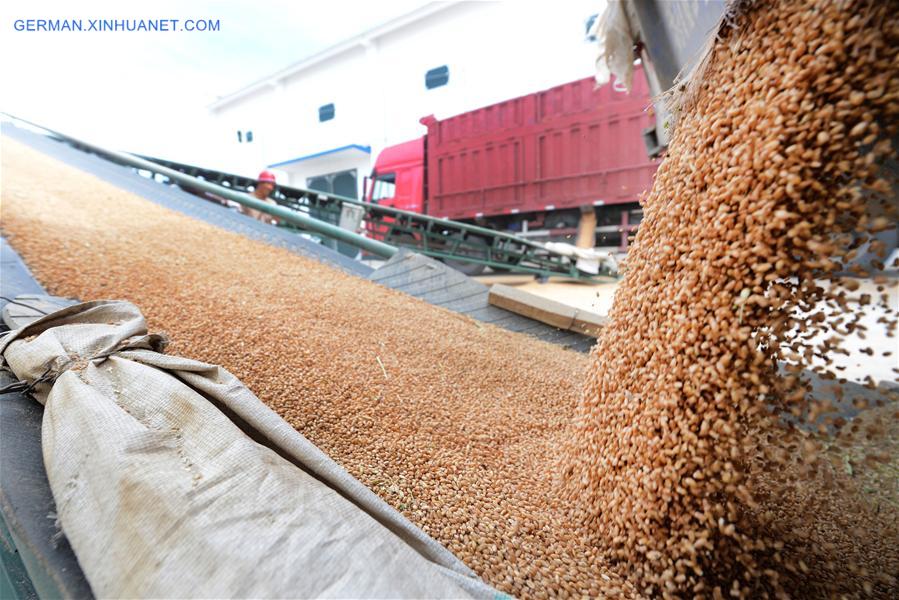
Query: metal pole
{"points": [[293, 217]]}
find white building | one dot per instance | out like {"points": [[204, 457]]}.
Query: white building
{"points": [[321, 122]]}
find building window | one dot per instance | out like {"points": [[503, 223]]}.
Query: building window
{"points": [[437, 77], [590, 28], [326, 112], [249, 136], [239, 137]]}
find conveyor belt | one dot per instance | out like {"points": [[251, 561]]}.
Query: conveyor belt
{"points": [[469, 246], [452, 289], [175, 198]]}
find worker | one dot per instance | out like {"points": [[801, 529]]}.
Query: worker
{"points": [[265, 185]]}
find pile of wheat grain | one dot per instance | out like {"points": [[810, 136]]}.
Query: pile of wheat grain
{"points": [[679, 460]]}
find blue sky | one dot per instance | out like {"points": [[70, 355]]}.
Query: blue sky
{"points": [[148, 91]]}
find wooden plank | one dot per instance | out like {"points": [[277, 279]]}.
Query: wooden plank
{"points": [[545, 310], [532, 306]]}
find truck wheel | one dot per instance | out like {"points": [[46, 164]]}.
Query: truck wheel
{"points": [[477, 249]]}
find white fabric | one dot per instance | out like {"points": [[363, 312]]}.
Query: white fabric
{"points": [[616, 46], [588, 259]]}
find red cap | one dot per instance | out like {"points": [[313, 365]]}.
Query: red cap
{"points": [[266, 176]]}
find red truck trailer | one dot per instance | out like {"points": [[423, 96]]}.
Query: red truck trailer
{"points": [[531, 164]]}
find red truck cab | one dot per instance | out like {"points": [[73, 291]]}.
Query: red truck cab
{"points": [[397, 179]]}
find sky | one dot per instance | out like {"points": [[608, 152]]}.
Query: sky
{"points": [[147, 92]]}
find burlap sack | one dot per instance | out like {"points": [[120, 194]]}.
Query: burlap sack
{"points": [[172, 479]]}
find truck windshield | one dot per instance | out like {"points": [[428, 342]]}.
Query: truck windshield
{"points": [[384, 186]]}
